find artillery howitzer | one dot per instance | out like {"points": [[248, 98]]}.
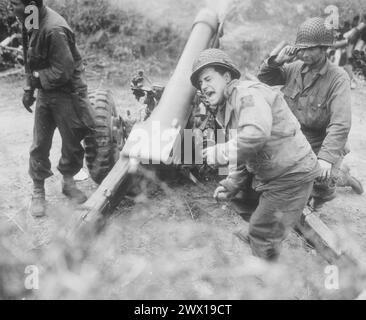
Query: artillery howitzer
{"points": [[116, 150]]}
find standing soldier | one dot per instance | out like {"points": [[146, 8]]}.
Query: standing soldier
{"points": [[268, 145], [54, 67], [319, 94]]}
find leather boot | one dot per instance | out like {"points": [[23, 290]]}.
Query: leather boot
{"points": [[349, 181], [355, 184], [70, 190], [38, 204]]}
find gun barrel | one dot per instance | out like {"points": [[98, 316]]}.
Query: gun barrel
{"points": [[156, 138]]}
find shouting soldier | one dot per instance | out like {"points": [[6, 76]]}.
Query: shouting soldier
{"points": [[54, 67], [319, 94], [268, 145]]}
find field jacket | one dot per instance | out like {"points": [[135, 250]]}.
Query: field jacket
{"points": [[53, 53], [264, 137], [323, 107]]}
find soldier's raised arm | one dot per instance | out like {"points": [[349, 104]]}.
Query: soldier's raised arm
{"points": [[274, 70]]}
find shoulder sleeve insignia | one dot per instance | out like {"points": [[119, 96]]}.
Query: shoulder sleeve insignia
{"points": [[247, 101]]}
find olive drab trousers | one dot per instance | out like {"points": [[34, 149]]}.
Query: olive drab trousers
{"points": [[278, 211], [55, 110]]}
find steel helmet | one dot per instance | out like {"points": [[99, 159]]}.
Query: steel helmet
{"points": [[210, 58], [314, 33]]}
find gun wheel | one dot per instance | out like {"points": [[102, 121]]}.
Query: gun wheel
{"points": [[103, 147]]}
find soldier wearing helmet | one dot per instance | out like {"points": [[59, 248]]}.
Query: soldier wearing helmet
{"points": [[54, 69], [319, 95], [265, 150]]}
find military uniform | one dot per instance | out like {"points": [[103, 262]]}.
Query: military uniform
{"points": [[271, 148], [55, 68], [321, 101], [265, 150]]}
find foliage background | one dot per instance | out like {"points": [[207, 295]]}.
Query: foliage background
{"points": [[156, 30]]}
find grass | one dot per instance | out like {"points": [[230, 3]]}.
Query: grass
{"points": [[172, 242]]}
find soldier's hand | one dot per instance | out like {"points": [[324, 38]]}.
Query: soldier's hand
{"points": [[210, 155], [28, 100], [326, 169], [287, 54], [222, 194], [215, 155]]}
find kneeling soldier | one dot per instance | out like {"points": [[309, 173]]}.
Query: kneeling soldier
{"points": [[269, 146], [319, 95]]}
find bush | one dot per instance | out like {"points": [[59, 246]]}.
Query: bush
{"points": [[6, 20], [86, 16], [132, 36]]}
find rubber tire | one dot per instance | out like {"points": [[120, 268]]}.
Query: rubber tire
{"points": [[101, 153]]}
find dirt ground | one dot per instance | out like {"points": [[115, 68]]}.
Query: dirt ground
{"points": [[173, 241]]}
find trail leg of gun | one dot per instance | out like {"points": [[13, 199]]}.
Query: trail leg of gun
{"points": [[318, 234], [99, 202], [327, 242]]}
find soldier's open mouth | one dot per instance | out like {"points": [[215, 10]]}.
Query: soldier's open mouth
{"points": [[209, 94]]}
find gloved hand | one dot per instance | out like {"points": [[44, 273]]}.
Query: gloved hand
{"points": [[28, 99]]}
